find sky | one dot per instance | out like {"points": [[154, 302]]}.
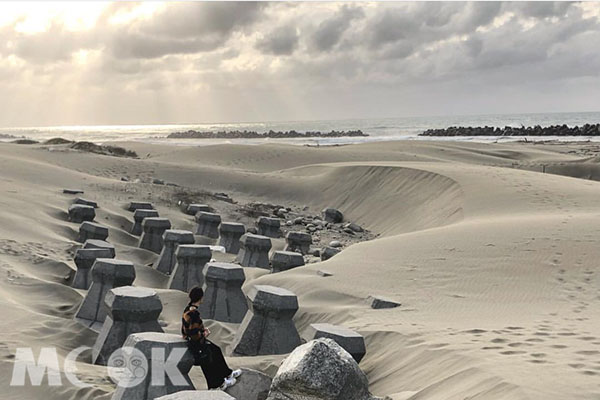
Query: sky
{"points": [[189, 62]]}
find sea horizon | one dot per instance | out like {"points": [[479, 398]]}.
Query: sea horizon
{"points": [[378, 129]]}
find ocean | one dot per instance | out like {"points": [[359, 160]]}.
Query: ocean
{"points": [[380, 129]]}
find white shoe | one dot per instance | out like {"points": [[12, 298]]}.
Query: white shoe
{"points": [[229, 382], [236, 374]]}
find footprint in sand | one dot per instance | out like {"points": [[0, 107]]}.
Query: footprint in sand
{"points": [[512, 352]]}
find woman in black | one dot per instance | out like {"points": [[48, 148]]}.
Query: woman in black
{"points": [[206, 354]]}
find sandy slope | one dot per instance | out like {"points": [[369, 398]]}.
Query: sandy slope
{"points": [[495, 266]]}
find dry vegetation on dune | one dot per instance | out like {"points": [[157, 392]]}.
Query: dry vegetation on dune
{"points": [[494, 263]]}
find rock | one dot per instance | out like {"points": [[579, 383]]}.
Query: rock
{"points": [[252, 230], [230, 233], [84, 260], [281, 213], [349, 340], [130, 310], [329, 252], [268, 327], [138, 218], [252, 385], [191, 259], [150, 346], [284, 260], [298, 242], [92, 230], [324, 273], [335, 244], [79, 213], [171, 239], [333, 215], [157, 181], [298, 221], [198, 395], [195, 208], [289, 223], [354, 227], [152, 238], [100, 244], [320, 370], [348, 231], [72, 191], [315, 252], [85, 202], [378, 302], [106, 274], [224, 300], [124, 179], [140, 205], [223, 197], [269, 227], [254, 251], [208, 224]]}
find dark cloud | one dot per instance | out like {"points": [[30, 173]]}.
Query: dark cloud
{"points": [[281, 41], [329, 32]]}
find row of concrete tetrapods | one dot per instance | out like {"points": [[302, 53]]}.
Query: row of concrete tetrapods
{"points": [[127, 316]]}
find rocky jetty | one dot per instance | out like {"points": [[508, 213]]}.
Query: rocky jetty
{"points": [[554, 130], [191, 134]]}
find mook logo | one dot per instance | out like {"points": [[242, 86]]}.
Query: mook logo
{"points": [[127, 366]]}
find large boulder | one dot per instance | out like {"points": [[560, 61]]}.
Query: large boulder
{"points": [[333, 215], [252, 385], [320, 370]]}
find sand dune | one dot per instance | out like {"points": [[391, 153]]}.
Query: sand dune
{"points": [[494, 262]]}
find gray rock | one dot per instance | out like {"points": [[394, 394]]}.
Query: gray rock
{"points": [[107, 274], [138, 218], [79, 213], [171, 239], [335, 244], [91, 230], [85, 202], [298, 221], [157, 181], [230, 233], [140, 205], [350, 340], [72, 191], [254, 251], [284, 260], [269, 227], [348, 231], [208, 224], [100, 244], [84, 260], [252, 385], [320, 370], [252, 230], [152, 238], [195, 208], [130, 310], [150, 346], [354, 227], [224, 300], [198, 395], [188, 271], [324, 273], [333, 215], [268, 327], [298, 242], [281, 212], [124, 179], [328, 252], [378, 302]]}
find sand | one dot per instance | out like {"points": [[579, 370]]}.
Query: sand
{"points": [[493, 261]]}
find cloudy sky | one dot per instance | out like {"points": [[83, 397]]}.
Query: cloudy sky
{"points": [[144, 63]]}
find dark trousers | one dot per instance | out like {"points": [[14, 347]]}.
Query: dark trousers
{"points": [[210, 358]]}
